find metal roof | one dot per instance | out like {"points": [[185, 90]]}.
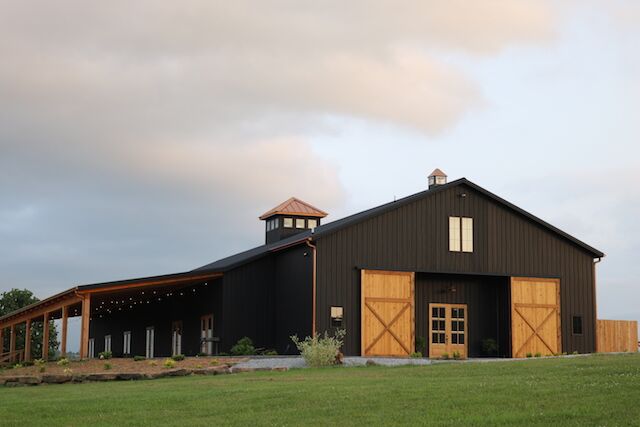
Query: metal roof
{"points": [[331, 227], [294, 206]]}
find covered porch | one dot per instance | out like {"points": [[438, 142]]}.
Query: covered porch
{"points": [[111, 311]]}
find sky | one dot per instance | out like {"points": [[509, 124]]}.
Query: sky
{"points": [[141, 137]]}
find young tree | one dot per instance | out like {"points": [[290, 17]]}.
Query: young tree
{"points": [[16, 299]]}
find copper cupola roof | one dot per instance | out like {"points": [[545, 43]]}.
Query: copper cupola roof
{"points": [[295, 207]]}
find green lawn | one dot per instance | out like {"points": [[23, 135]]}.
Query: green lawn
{"points": [[597, 390]]}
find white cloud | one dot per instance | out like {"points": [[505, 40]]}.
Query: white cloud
{"points": [[130, 124]]}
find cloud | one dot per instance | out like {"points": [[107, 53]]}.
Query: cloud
{"points": [[126, 125]]}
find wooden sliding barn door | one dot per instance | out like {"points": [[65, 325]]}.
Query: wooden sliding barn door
{"points": [[535, 316], [387, 313]]}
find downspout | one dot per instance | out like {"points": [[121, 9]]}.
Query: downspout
{"points": [[595, 306], [313, 287]]}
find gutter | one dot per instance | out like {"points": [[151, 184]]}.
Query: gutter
{"points": [[313, 287], [595, 304]]}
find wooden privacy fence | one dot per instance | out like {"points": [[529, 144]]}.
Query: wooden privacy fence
{"points": [[617, 336]]}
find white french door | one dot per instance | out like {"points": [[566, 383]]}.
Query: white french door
{"points": [[176, 338], [206, 334], [149, 342], [107, 343], [126, 345]]}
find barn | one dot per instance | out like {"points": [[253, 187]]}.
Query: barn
{"points": [[454, 270]]}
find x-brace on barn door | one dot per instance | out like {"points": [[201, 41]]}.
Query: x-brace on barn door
{"points": [[387, 313], [535, 316]]}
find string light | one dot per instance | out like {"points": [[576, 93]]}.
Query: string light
{"points": [[104, 308]]}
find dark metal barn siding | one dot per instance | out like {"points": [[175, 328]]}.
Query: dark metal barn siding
{"points": [[248, 301], [293, 296], [268, 300], [415, 237]]}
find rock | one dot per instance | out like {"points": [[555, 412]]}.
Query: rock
{"points": [[371, 363], [101, 377], [131, 376], [56, 379], [156, 375], [205, 371], [183, 372], [236, 370], [21, 380], [79, 378], [221, 370], [280, 369]]}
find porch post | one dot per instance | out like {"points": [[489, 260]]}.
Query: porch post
{"points": [[27, 340], [12, 342], [45, 337], [1, 339], [63, 341], [84, 334]]}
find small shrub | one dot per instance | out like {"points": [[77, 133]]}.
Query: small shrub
{"points": [[63, 362], [202, 354], [139, 358], [178, 357], [214, 362], [152, 363], [445, 356], [421, 344], [320, 350], [270, 352], [538, 354], [18, 366], [529, 355], [41, 364], [489, 347], [169, 363], [199, 366], [575, 352], [104, 355], [27, 363], [456, 355], [244, 347], [107, 366], [68, 371], [416, 355]]}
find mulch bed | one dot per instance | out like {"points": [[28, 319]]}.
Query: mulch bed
{"points": [[119, 370]]}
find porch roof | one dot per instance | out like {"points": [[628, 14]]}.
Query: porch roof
{"points": [[74, 295]]}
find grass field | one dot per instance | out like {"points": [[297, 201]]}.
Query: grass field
{"points": [[596, 390]]}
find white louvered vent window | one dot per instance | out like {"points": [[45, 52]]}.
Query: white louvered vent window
{"points": [[460, 234], [467, 234], [454, 234]]}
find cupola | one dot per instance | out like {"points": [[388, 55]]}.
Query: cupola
{"points": [[290, 217], [436, 178]]}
